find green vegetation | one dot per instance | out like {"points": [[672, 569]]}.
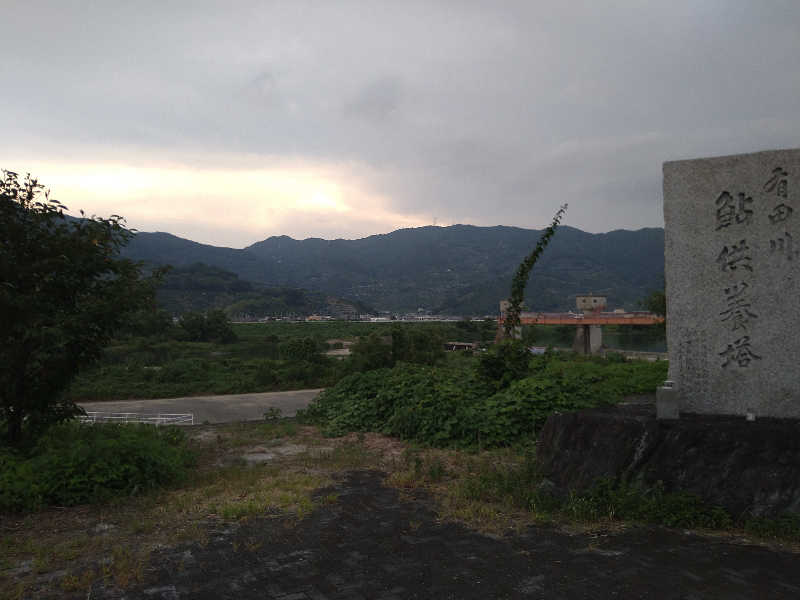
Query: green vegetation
{"points": [[465, 404], [212, 326], [417, 345], [76, 464], [199, 287], [64, 292], [656, 302], [520, 280], [264, 357], [76, 546], [501, 489], [458, 270], [496, 491]]}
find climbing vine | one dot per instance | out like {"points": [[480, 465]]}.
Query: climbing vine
{"points": [[524, 270]]}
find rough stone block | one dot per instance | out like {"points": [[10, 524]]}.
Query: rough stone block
{"points": [[747, 468], [732, 267]]}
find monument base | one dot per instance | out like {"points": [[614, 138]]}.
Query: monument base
{"points": [[748, 468]]}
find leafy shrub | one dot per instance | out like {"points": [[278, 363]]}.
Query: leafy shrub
{"points": [[420, 346], [75, 464], [458, 405], [505, 362], [434, 405], [300, 349], [370, 352]]}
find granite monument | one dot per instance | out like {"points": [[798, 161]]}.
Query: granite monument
{"points": [[732, 268]]}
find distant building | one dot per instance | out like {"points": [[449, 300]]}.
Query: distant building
{"points": [[504, 306], [591, 303]]}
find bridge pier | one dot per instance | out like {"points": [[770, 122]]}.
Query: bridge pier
{"points": [[588, 339]]}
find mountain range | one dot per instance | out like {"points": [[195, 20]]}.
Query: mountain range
{"points": [[201, 287], [461, 269]]}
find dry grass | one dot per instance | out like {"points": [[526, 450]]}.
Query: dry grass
{"points": [[62, 552], [444, 474]]}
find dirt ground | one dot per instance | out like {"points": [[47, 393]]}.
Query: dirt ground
{"points": [[375, 543], [359, 536]]}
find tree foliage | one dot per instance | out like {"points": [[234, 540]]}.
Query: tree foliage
{"points": [[212, 326], [418, 346], [520, 280], [63, 292], [504, 363], [656, 302]]}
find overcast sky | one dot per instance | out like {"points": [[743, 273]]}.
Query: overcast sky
{"points": [[229, 122]]}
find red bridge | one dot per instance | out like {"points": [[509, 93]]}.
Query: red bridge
{"points": [[587, 323], [592, 318]]}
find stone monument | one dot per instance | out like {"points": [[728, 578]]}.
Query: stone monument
{"points": [[732, 268]]}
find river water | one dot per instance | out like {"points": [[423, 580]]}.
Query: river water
{"points": [[639, 339]]}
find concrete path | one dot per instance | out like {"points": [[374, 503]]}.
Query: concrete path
{"points": [[214, 409]]}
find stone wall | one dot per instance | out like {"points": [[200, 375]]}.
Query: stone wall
{"points": [[746, 467]]}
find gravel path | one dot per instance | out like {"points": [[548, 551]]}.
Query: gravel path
{"points": [[214, 409]]}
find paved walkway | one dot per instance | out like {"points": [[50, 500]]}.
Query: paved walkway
{"points": [[214, 409], [373, 543]]}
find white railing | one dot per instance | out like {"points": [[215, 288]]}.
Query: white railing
{"points": [[152, 419]]}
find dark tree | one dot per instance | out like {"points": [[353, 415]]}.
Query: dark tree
{"points": [[656, 302], [64, 292], [416, 345], [212, 326]]}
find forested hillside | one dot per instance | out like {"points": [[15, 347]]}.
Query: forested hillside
{"points": [[200, 287], [460, 269]]}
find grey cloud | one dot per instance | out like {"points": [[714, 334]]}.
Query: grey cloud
{"points": [[378, 101], [483, 112], [263, 90]]}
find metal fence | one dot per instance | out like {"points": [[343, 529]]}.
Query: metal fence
{"points": [[152, 419]]}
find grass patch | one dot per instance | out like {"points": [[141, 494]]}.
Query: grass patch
{"points": [[494, 491], [499, 490], [112, 541]]}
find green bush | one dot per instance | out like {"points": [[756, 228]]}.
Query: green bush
{"points": [[76, 464], [505, 362], [455, 404], [370, 352], [431, 404], [300, 349]]}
